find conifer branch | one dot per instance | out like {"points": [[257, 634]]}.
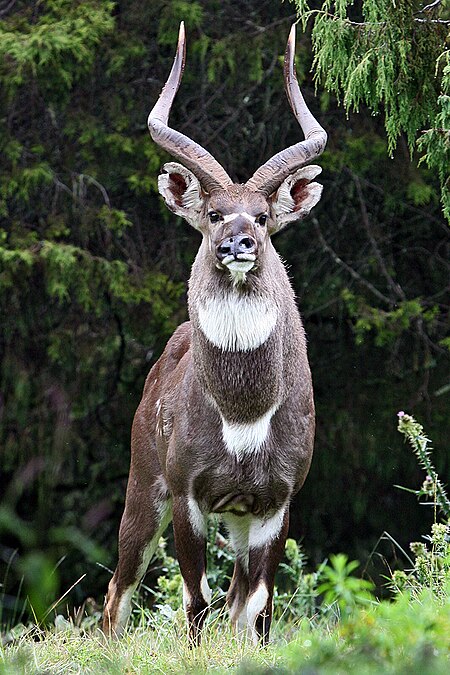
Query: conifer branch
{"points": [[366, 24]]}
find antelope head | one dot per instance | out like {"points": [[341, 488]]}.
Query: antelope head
{"points": [[237, 220]]}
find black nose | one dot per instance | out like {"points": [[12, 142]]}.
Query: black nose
{"points": [[236, 246]]}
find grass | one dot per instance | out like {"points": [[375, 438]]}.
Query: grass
{"points": [[408, 635], [157, 647]]}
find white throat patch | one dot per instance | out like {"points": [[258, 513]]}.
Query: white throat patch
{"points": [[237, 324]]}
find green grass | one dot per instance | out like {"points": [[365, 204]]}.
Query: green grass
{"points": [[407, 635]]}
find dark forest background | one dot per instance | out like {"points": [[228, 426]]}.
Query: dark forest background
{"points": [[93, 273]]}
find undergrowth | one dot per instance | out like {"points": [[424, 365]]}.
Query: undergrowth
{"points": [[326, 621]]}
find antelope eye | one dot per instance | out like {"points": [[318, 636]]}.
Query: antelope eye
{"points": [[214, 216], [262, 219]]}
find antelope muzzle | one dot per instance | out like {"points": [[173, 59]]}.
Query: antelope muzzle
{"points": [[237, 252]]}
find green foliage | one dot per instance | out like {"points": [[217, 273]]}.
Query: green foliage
{"points": [[401, 636], [387, 325], [83, 300], [436, 141], [391, 60], [296, 594], [55, 50], [341, 587], [431, 565], [167, 594]]}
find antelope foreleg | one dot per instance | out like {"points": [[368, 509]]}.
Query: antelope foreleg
{"points": [[140, 529], [190, 544]]}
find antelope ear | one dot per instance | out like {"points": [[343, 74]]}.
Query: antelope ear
{"points": [[295, 197], [182, 192]]}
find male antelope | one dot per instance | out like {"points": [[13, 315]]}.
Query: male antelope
{"points": [[226, 421]]}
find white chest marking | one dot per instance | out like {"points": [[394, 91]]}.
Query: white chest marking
{"points": [[248, 438], [236, 323]]}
